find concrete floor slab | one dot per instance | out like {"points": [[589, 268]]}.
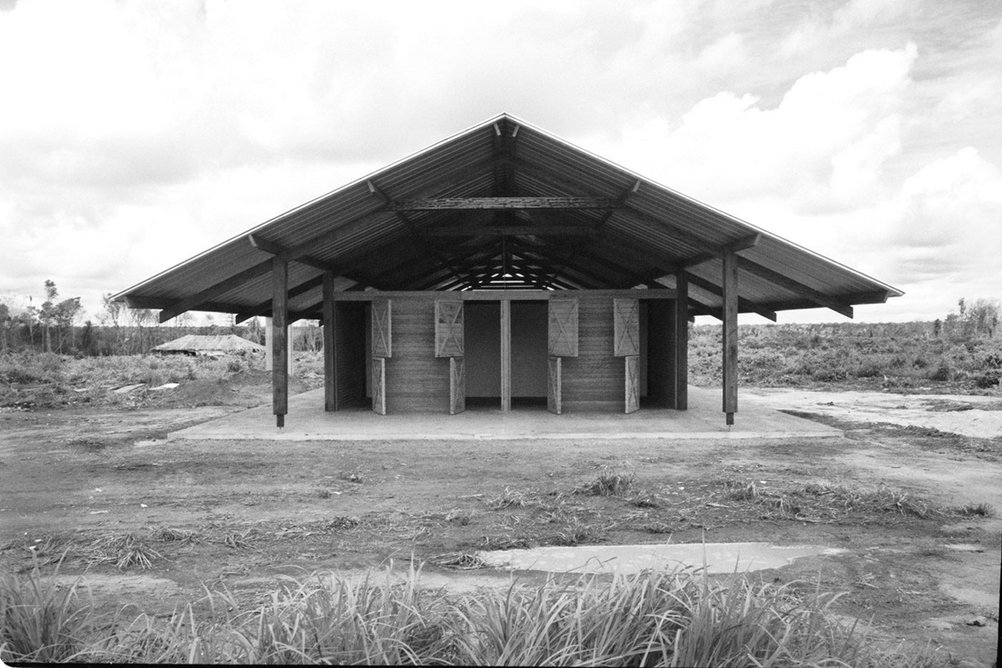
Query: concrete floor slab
{"points": [[307, 421]]}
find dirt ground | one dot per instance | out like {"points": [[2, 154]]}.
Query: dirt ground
{"points": [[915, 508]]}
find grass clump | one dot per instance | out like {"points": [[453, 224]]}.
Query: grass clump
{"points": [[653, 618], [608, 483], [41, 620], [977, 510]]}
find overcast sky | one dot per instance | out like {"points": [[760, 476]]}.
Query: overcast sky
{"points": [[134, 135]]}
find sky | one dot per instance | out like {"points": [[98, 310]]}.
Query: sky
{"points": [[136, 134]]}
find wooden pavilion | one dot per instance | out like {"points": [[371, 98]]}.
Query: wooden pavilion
{"points": [[504, 266]]}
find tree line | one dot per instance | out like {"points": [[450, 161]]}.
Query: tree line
{"points": [[55, 326]]}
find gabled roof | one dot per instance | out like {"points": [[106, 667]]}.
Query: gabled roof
{"points": [[504, 205]]}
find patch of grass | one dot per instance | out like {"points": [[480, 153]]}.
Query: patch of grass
{"points": [[653, 618], [41, 620], [977, 510], [574, 532], [607, 483]]}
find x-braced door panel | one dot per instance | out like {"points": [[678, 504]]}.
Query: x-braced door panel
{"points": [[382, 348], [562, 341], [450, 342], [626, 327]]}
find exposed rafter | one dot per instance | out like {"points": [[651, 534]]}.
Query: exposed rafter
{"points": [[799, 288]]}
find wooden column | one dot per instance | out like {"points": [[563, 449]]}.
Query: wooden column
{"points": [[505, 355], [730, 328], [330, 367], [280, 334], [681, 336]]}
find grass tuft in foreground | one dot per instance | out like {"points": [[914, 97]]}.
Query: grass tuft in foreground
{"points": [[651, 619], [41, 620]]}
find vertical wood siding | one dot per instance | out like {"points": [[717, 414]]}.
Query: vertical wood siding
{"points": [[416, 380], [594, 380]]}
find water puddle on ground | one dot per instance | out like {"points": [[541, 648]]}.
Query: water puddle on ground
{"points": [[625, 559]]}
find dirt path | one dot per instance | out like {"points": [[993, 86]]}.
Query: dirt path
{"points": [[240, 513]]}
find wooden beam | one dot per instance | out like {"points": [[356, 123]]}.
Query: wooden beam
{"points": [[330, 343], [474, 295], [744, 305], [511, 230], [412, 228], [505, 356], [681, 337], [280, 351], [264, 308], [788, 283], [730, 330], [275, 249], [222, 287], [503, 203]]}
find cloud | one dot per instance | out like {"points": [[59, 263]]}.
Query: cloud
{"points": [[825, 141]]}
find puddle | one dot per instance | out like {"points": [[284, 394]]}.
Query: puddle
{"points": [[150, 442], [625, 559]]}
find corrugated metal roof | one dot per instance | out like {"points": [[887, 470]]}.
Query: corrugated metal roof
{"points": [[356, 233]]}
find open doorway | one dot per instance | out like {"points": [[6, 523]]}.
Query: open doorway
{"points": [[483, 334], [482, 325], [351, 354], [528, 354]]}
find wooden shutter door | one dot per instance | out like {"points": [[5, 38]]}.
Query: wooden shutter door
{"points": [[382, 329], [626, 327], [448, 328], [382, 337], [450, 342], [562, 328], [553, 386], [457, 385], [632, 383], [379, 385]]}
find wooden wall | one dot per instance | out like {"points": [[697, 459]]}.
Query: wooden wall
{"points": [[416, 380], [595, 379]]}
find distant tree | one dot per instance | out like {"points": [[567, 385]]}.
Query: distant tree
{"points": [[981, 318], [47, 312], [112, 314], [66, 313], [6, 324]]}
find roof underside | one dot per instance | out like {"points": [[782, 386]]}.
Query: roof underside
{"points": [[504, 205]]}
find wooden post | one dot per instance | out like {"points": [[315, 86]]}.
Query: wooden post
{"points": [[330, 368], [505, 355], [681, 336], [730, 328], [280, 349]]}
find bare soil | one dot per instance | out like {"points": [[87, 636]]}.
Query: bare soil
{"points": [[76, 482]]}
